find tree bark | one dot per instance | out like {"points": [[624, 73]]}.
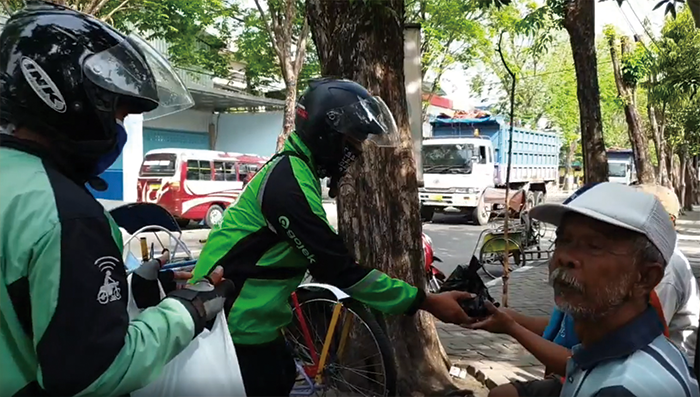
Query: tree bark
{"points": [[659, 145], [289, 114], [579, 22], [378, 207], [691, 185], [573, 145], [626, 91], [682, 184]]}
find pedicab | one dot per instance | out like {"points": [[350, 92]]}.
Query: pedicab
{"points": [[522, 241]]}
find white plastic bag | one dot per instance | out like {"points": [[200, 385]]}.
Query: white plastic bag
{"points": [[208, 367]]}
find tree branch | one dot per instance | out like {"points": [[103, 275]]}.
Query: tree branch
{"points": [[93, 11], [270, 31], [114, 11], [301, 46], [88, 9], [506, 270], [6, 6]]}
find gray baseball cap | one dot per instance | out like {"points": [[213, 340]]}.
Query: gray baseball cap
{"points": [[618, 205]]}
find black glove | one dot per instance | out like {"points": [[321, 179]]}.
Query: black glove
{"points": [[144, 282], [204, 301]]}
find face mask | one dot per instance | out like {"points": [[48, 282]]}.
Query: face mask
{"points": [[109, 158]]}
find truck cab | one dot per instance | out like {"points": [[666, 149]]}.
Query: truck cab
{"points": [[621, 168], [455, 173]]}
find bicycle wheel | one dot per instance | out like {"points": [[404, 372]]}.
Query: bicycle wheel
{"points": [[493, 251], [364, 365]]}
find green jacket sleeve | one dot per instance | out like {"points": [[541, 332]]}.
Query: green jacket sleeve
{"points": [[84, 341], [291, 202]]}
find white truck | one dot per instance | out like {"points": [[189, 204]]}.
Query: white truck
{"points": [[621, 168], [466, 156]]}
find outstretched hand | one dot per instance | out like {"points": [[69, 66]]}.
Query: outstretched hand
{"points": [[498, 321], [445, 306]]}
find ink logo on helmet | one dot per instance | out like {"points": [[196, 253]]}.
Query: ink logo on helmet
{"points": [[42, 85], [284, 222]]}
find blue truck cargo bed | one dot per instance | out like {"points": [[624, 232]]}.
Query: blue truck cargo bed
{"points": [[535, 153]]}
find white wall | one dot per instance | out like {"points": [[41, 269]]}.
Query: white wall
{"points": [[414, 81], [254, 133], [132, 156], [188, 120]]}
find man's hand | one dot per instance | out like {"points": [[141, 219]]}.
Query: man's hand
{"points": [[181, 276], [499, 322], [205, 298], [445, 306]]}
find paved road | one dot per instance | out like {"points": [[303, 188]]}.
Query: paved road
{"points": [[455, 241], [454, 238]]}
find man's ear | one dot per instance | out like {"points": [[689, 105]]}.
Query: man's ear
{"points": [[650, 276]]}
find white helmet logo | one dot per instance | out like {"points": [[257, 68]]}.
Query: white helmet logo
{"points": [[42, 85]]}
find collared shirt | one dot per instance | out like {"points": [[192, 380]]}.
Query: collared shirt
{"points": [[634, 360], [678, 293]]}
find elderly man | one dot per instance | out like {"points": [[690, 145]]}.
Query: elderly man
{"points": [[607, 261]]}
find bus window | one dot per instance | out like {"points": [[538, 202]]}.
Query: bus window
{"points": [[198, 170]]}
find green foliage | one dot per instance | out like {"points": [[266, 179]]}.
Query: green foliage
{"points": [[561, 106], [527, 32], [636, 65], [451, 32], [677, 67], [254, 48]]}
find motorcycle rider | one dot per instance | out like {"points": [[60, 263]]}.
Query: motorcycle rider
{"points": [[278, 229], [67, 81]]}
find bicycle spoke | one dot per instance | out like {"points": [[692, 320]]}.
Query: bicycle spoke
{"points": [[351, 374]]}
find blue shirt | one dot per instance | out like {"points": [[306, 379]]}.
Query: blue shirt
{"points": [[635, 360], [560, 330]]}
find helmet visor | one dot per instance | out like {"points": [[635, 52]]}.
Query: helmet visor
{"points": [[368, 119], [134, 68]]}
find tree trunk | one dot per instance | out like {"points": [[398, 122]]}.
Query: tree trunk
{"points": [[569, 159], [289, 113], [691, 182], [378, 199], [660, 146], [579, 21], [682, 184], [626, 91]]}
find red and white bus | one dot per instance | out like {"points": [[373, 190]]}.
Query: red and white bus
{"points": [[195, 185]]}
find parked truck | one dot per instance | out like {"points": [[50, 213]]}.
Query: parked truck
{"points": [[464, 157], [621, 167]]}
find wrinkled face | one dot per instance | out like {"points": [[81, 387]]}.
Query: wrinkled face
{"points": [[593, 269]]}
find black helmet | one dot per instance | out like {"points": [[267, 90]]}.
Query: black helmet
{"points": [[64, 74], [333, 116]]}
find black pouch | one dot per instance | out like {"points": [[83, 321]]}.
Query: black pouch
{"points": [[465, 278]]}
